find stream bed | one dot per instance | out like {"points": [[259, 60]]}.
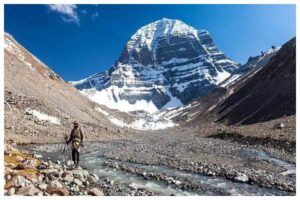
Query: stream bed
{"points": [[176, 182]]}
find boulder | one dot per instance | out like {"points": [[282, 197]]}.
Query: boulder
{"points": [[95, 192], [93, 178], [29, 190], [11, 184], [52, 190]]}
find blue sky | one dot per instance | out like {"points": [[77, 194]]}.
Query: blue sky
{"points": [[77, 41]]}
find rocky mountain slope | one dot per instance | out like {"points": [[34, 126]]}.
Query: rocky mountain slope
{"points": [[263, 89], [269, 94], [165, 64], [40, 106]]}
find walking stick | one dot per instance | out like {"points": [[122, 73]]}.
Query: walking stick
{"points": [[67, 151]]}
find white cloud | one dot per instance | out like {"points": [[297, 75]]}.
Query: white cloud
{"points": [[68, 12], [95, 15]]}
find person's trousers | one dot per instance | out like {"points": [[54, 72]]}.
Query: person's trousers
{"points": [[75, 155]]}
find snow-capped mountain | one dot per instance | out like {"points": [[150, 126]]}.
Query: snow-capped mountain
{"points": [[165, 64]]}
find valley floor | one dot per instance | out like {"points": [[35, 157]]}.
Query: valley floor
{"points": [[187, 161]]}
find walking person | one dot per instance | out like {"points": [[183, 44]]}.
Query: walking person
{"points": [[76, 137]]}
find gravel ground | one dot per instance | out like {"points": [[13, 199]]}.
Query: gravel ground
{"points": [[191, 152]]}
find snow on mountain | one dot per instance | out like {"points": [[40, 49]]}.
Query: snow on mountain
{"points": [[144, 121], [253, 65], [164, 65], [192, 110]]}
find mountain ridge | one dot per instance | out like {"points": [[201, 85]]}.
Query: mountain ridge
{"points": [[165, 64]]}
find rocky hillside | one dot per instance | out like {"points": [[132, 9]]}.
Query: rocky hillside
{"points": [[40, 106], [261, 90], [165, 64], [269, 94]]}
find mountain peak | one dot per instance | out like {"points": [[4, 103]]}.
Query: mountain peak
{"points": [[165, 64], [148, 34]]}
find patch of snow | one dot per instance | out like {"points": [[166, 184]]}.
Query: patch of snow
{"points": [[174, 102], [14, 48], [221, 76], [43, 117], [230, 80], [102, 111], [110, 98], [146, 122]]}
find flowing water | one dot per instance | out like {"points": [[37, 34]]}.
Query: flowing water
{"points": [[97, 164]]}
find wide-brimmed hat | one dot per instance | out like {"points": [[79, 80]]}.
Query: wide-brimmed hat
{"points": [[76, 122]]}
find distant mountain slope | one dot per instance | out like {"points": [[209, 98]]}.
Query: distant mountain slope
{"points": [[165, 64], [260, 90], [269, 94], [40, 106]]}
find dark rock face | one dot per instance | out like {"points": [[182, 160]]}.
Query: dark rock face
{"points": [[164, 62], [269, 94]]}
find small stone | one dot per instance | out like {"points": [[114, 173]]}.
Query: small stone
{"points": [[279, 126], [11, 191], [70, 163], [42, 186], [75, 189], [112, 182], [40, 178], [241, 178], [67, 173], [23, 166], [68, 178], [95, 192], [56, 183], [8, 169], [77, 182], [177, 182], [20, 180], [34, 180], [8, 177], [19, 159]]}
